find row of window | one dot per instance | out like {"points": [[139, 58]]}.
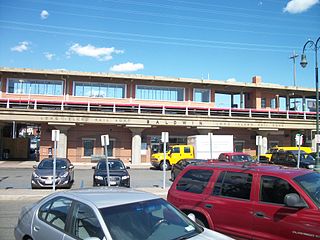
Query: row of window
{"points": [[103, 90], [236, 185]]}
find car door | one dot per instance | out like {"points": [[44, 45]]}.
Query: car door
{"points": [[230, 204], [274, 220], [50, 221]]}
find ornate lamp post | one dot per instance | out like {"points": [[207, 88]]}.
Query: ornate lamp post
{"points": [[314, 46]]}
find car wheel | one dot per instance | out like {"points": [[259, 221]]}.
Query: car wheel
{"points": [[27, 238], [201, 222], [168, 166]]}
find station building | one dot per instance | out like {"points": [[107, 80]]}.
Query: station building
{"points": [[134, 109]]}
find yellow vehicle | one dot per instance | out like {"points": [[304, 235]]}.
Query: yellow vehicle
{"points": [[175, 153], [267, 156]]}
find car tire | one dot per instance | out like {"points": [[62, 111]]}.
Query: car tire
{"points": [[201, 222], [27, 238], [168, 166]]}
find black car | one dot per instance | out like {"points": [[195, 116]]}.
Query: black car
{"points": [[42, 176], [180, 165], [118, 173], [290, 159]]}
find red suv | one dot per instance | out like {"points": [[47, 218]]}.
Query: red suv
{"points": [[251, 201]]}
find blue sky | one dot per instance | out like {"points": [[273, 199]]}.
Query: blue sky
{"points": [[218, 39]]}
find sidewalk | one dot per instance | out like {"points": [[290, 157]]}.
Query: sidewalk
{"points": [[36, 194], [78, 165]]}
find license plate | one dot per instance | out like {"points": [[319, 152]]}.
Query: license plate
{"points": [[113, 183], [48, 181]]}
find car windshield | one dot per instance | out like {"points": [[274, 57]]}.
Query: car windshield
{"points": [[304, 156], [242, 158], [48, 164], [148, 220], [113, 165], [311, 184]]}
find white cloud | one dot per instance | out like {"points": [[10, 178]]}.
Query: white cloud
{"points": [[49, 56], [102, 54], [44, 14], [299, 6], [23, 46], [127, 67]]}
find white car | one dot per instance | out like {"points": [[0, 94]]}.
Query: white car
{"points": [[106, 213]]}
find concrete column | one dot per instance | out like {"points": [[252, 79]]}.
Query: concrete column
{"points": [[136, 145], [287, 102], [62, 145]]}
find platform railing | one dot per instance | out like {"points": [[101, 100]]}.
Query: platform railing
{"points": [[152, 109]]}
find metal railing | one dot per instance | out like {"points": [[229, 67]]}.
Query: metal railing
{"points": [[152, 109]]}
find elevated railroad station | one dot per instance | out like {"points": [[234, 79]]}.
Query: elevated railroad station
{"points": [[134, 109]]}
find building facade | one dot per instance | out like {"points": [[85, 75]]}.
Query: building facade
{"points": [[133, 110]]}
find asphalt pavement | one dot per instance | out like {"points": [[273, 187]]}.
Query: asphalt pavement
{"points": [[23, 194]]}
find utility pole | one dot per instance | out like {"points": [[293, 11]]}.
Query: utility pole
{"points": [[293, 57]]}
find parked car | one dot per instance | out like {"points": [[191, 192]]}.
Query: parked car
{"points": [[118, 173], [42, 176], [235, 157], [266, 158], [290, 159], [105, 214], [179, 166], [253, 201]]}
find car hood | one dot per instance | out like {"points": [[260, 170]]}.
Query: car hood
{"points": [[111, 173], [49, 172], [208, 234]]}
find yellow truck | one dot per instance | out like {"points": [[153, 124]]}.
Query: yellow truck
{"points": [[198, 147], [267, 156]]}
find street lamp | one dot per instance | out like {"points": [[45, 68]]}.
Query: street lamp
{"points": [[314, 46]]}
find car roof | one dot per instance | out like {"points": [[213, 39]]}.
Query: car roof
{"points": [[111, 159], [235, 153], [255, 167], [108, 196]]}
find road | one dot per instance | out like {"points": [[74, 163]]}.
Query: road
{"points": [[20, 179]]}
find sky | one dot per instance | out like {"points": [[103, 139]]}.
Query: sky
{"points": [[229, 40]]}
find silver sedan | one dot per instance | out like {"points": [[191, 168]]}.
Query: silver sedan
{"points": [[106, 213]]}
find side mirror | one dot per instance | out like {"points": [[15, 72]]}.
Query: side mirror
{"points": [[192, 216], [294, 200], [34, 166], [71, 166], [127, 167]]}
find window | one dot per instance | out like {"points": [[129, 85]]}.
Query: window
{"points": [[55, 212], [32, 86], [273, 103], [88, 145], [194, 181], [175, 150], [100, 90], [187, 150], [159, 93], [274, 189], [85, 223], [263, 103], [201, 95], [234, 185]]}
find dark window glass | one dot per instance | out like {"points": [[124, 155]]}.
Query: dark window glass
{"points": [[175, 150], [263, 103], [273, 189], [233, 184], [194, 181], [88, 147], [55, 212], [85, 223], [187, 150]]}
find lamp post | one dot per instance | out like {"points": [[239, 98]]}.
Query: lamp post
{"points": [[314, 46]]}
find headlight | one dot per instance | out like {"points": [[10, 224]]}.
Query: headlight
{"points": [[98, 177], [35, 175], [125, 177], [64, 175], [311, 166]]}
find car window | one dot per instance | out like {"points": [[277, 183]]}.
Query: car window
{"points": [[233, 184], [55, 212], [113, 165], [85, 223], [175, 150], [48, 164], [310, 183], [194, 181], [274, 189]]}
